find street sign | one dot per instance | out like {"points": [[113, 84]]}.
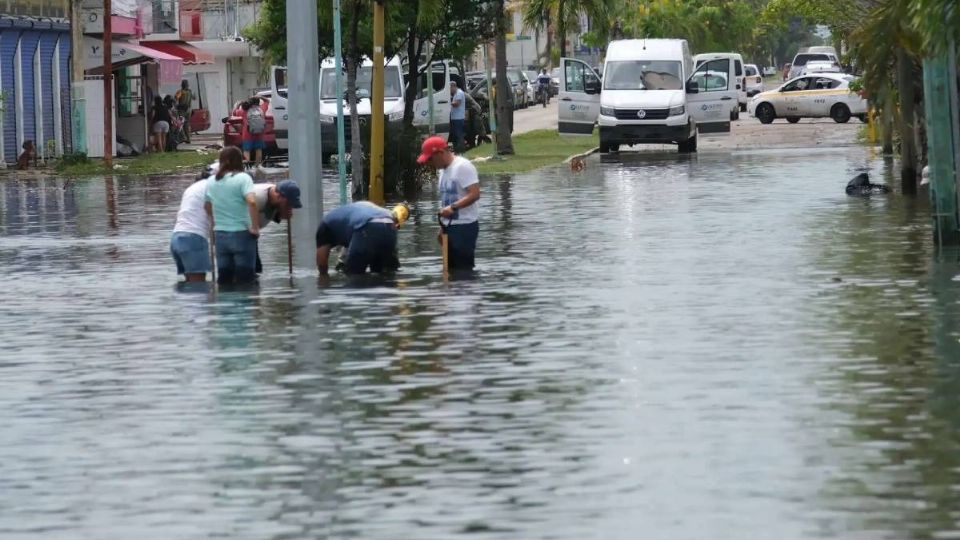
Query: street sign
{"points": [[524, 38]]}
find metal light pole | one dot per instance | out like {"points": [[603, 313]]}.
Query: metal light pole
{"points": [[107, 87], [341, 138], [430, 92], [377, 119], [303, 65]]}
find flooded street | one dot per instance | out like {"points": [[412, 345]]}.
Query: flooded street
{"points": [[661, 346]]}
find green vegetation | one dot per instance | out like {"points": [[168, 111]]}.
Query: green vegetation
{"points": [[147, 164], [534, 150]]}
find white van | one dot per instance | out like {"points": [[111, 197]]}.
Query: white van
{"points": [[739, 75], [392, 106], [802, 58], [650, 95]]}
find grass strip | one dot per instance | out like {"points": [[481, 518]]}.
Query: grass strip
{"points": [[534, 150], [146, 164]]}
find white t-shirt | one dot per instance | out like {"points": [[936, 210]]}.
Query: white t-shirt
{"points": [[192, 218], [454, 181]]}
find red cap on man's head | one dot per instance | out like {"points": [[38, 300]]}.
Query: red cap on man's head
{"points": [[431, 146]]}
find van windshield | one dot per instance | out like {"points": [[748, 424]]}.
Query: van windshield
{"points": [[802, 59], [642, 75], [391, 82]]}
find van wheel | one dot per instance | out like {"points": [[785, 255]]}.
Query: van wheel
{"points": [[325, 157], [604, 148], [765, 113], [793, 119], [688, 146], [743, 107], [614, 147], [840, 113], [863, 118], [734, 115]]}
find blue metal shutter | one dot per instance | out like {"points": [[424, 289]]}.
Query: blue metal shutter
{"points": [[8, 52], [66, 103], [29, 40], [48, 44]]}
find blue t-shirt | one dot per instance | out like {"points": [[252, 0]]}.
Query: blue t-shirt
{"points": [[458, 112], [228, 196], [338, 226]]}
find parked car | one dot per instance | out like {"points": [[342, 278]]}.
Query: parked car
{"points": [[754, 79], [801, 59], [519, 92], [769, 71], [233, 124], [820, 67], [825, 95], [525, 84]]}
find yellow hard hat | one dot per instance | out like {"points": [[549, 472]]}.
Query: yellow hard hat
{"points": [[401, 213]]}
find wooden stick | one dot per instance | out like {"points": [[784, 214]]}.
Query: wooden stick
{"points": [[213, 256], [289, 246], [444, 249]]}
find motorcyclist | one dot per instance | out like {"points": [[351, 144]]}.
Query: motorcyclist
{"points": [[543, 84]]}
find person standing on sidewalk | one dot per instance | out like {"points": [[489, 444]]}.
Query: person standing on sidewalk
{"points": [[459, 192], [458, 116], [254, 122], [185, 100], [232, 204]]}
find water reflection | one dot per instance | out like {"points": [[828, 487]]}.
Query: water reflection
{"points": [[660, 344]]}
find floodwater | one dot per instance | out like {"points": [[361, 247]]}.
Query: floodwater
{"points": [[720, 346]]}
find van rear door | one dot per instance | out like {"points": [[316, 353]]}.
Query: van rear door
{"points": [[712, 105], [579, 98], [278, 105], [437, 76]]}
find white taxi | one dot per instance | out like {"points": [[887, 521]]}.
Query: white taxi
{"points": [[820, 95]]}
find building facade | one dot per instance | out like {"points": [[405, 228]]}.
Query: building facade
{"points": [[35, 55]]}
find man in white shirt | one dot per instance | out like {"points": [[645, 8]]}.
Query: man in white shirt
{"points": [[459, 192]]}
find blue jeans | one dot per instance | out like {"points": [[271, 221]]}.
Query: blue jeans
{"points": [[457, 132], [374, 245], [462, 242], [191, 253], [236, 257]]}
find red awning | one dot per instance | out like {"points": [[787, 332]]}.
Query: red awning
{"points": [[189, 53]]}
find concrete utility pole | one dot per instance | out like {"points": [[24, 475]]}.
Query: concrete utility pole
{"points": [[78, 114], [341, 137], [377, 119], [303, 71], [107, 86]]}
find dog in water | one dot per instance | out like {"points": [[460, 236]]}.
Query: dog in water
{"points": [[860, 186], [29, 153]]}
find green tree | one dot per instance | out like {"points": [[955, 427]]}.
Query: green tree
{"points": [[565, 14]]}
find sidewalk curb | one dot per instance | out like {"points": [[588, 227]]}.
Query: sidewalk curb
{"points": [[583, 155]]}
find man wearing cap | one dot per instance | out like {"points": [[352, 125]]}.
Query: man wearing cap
{"points": [[368, 231], [275, 202], [459, 193]]}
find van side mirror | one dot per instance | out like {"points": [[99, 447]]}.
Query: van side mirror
{"points": [[591, 86], [693, 87]]}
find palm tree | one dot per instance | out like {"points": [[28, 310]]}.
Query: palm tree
{"points": [[565, 13]]}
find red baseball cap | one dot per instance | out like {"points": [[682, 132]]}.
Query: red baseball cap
{"points": [[431, 146]]}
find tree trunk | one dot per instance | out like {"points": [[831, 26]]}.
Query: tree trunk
{"points": [[353, 60], [504, 111], [404, 153], [908, 145], [561, 29]]}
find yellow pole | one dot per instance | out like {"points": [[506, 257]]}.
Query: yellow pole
{"points": [[377, 119]]}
